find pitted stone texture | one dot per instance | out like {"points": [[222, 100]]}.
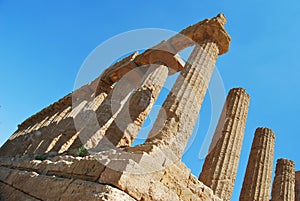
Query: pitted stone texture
{"points": [[297, 186], [129, 121], [87, 168], [171, 182], [258, 178], [284, 181], [9, 193], [33, 186], [138, 176], [221, 164], [148, 172], [179, 113]]}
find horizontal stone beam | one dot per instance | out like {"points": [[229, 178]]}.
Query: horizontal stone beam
{"points": [[166, 51]]}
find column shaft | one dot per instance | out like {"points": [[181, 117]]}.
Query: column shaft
{"points": [[129, 121], [284, 181], [297, 186], [258, 178], [101, 92], [93, 125], [177, 117], [221, 164]]}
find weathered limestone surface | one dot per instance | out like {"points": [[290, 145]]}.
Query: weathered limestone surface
{"points": [[25, 185], [297, 186], [167, 140], [258, 178], [93, 127], [113, 108], [129, 121], [172, 183], [46, 130], [152, 171], [176, 119], [284, 181], [221, 164], [9, 193], [208, 28]]}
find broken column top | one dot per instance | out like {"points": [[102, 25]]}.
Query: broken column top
{"points": [[265, 131], [285, 162], [238, 90]]}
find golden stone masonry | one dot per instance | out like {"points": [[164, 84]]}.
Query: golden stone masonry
{"points": [[80, 147]]}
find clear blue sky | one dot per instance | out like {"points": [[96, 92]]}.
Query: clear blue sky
{"points": [[44, 43]]}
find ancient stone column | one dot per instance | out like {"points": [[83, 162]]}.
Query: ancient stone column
{"points": [[177, 117], [104, 84], [128, 122], [92, 125], [221, 164], [258, 178], [284, 181], [101, 92], [297, 186]]}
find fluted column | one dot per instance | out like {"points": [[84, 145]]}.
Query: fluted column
{"points": [[101, 92], [258, 178], [221, 164], [297, 186], [284, 181], [92, 125], [129, 121], [177, 117]]}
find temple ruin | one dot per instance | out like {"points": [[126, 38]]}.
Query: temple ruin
{"points": [[80, 147]]}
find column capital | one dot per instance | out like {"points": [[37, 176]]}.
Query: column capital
{"points": [[166, 52], [210, 29], [161, 53]]}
